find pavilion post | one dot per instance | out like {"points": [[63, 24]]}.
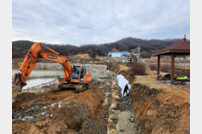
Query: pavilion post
{"points": [[158, 66], [172, 72]]}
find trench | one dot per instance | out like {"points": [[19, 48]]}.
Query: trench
{"points": [[121, 119]]}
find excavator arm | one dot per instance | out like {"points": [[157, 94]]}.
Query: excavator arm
{"points": [[33, 55]]}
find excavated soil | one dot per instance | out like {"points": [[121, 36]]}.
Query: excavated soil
{"points": [[60, 111], [159, 111]]}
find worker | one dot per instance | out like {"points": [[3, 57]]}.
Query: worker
{"points": [[126, 90], [107, 68]]}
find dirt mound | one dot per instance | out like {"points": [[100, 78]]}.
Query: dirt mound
{"points": [[81, 56], [73, 113], [25, 96], [20, 98]]}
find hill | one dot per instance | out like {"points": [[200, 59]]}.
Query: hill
{"points": [[20, 48]]}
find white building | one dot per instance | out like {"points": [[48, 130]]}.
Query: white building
{"points": [[117, 54]]}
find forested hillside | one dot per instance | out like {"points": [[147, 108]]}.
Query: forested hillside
{"points": [[20, 48]]}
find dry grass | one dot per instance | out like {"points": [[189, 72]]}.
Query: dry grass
{"points": [[150, 80], [81, 56]]}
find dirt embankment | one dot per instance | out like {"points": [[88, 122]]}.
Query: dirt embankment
{"points": [[161, 111], [60, 111]]}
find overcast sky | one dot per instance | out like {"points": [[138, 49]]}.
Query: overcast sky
{"points": [[80, 22]]}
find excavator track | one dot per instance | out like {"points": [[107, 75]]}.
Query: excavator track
{"points": [[77, 87]]}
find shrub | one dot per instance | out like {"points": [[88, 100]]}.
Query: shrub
{"points": [[138, 68], [92, 54]]}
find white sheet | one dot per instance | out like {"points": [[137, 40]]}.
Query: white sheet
{"points": [[122, 83]]}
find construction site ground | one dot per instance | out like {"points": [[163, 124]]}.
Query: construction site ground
{"points": [[151, 107]]}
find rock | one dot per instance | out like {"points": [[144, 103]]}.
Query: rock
{"points": [[60, 102], [112, 111], [114, 105], [110, 121], [52, 105], [27, 118], [111, 131], [113, 117], [132, 118], [51, 115], [23, 119], [117, 98], [43, 113], [44, 107], [59, 105]]}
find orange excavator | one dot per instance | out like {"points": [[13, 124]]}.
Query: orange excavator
{"points": [[74, 76]]}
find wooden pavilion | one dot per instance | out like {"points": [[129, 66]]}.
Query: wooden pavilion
{"points": [[181, 48]]}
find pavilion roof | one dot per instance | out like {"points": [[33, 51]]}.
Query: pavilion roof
{"points": [[181, 48]]}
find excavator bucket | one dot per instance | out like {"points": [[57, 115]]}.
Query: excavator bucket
{"points": [[18, 81]]}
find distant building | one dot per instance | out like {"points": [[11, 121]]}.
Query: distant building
{"points": [[117, 54]]}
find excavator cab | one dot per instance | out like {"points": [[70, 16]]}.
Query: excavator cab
{"points": [[76, 72], [79, 79], [79, 74]]}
